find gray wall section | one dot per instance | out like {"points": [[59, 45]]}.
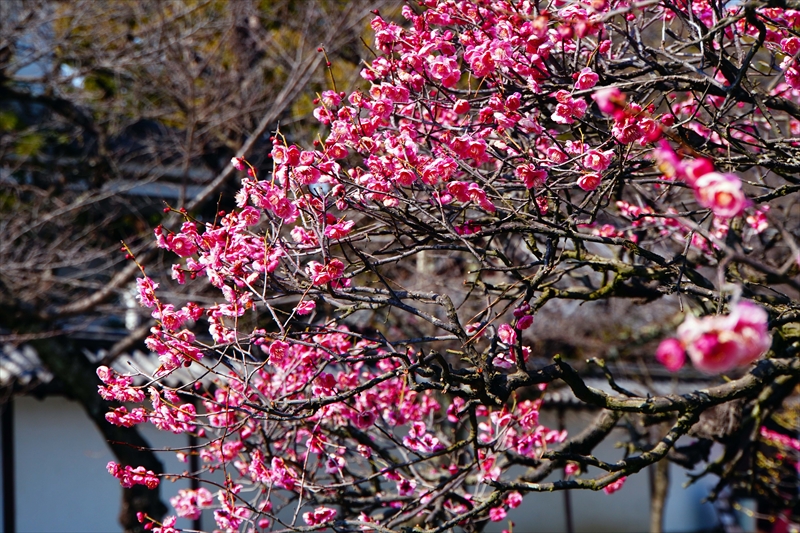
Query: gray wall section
{"points": [[62, 482], [2, 516], [60, 460]]}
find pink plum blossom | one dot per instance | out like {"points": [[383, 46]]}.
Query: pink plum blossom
{"points": [[514, 500], [692, 169], [609, 100], [190, 503], [568, 108], [322, 274], [339, 230], [615, 486], [461, 106], [627, 129], [671, 354], [167, 526], [405, 487], [722, 193], [758, 220], [717, 344], [472, 136], [117, 387], [571, 469], [589, 182], [668, 162], [128, 476], [121, 417], [524, 322], [497, 514], [587, 78], [507, 334], [531, 176], [444, 69], [320, 515], [305, 307], [598, 160], [146, 291]]}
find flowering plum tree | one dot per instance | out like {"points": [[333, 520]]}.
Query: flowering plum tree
{"points": [[552, 151]]}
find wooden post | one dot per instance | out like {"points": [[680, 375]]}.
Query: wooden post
{"points": [[7, 461]]}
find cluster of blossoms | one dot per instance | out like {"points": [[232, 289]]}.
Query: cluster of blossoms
{"points": [[320, 515], [722, 193], [128, 476], [117, 387], [511, 501], [167, 526], [503, 134], [166, 416], [190, 503], [717, 344]]}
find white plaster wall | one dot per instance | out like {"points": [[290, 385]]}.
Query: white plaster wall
{"points": [[60, 461], [61, 478], [1, 477]]}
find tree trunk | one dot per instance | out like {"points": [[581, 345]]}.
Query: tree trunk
{"points": [[658, 495]]}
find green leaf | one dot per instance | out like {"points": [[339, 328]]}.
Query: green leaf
{"points": [[29, 144], [8, 121]]}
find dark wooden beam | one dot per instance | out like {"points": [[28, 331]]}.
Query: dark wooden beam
{"points": [[7, 461]]}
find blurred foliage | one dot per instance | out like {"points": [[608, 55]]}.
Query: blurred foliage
{"points": [[139, 91]]}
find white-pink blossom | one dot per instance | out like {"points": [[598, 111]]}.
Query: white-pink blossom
{"points": [[589, 182], [717, 344], [587, 78], [722, 193]]}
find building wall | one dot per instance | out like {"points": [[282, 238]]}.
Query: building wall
{"points": [[59, 455], [2, 516], [62, 485]]}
